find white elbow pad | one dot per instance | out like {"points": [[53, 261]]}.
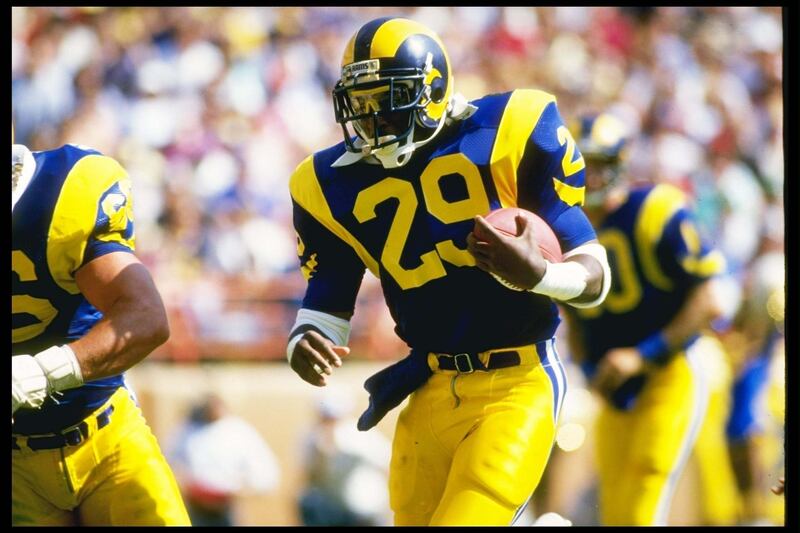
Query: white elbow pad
{"points": [[335, 328], [597, 251]]}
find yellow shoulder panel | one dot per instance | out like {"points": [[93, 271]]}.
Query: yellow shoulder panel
{"points": [[656, 211], [522, 113], [307, 192], [75, 215]]}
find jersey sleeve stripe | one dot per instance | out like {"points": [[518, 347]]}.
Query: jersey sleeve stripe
{"points": [[307, 192], [569, 195], [522, 113]]}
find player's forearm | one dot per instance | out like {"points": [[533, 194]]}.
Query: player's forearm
{"points": [[128, 332], [698, 311]]}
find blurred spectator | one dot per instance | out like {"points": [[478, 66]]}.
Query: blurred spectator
{"points": [[346, 470], [218, 457]]}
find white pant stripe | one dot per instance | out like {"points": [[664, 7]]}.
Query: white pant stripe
{"points": [[700, 403]]}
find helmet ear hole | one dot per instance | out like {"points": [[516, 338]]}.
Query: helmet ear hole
{"points": [[437, 90]]}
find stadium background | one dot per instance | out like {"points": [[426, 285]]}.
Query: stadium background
{"points": [[210, 109]]}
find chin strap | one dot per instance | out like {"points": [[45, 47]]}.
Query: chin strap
{"points": [[390, 156], [397, 155], [393, 158]]}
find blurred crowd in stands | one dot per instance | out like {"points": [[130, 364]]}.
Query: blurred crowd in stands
{"points": [[210, 109]]}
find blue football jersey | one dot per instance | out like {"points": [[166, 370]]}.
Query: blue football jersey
{"points": [[657, 256], [409, 225], [77, 207]]}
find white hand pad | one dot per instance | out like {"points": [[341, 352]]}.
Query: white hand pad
{"points": [[61, 368], [28, 383]]}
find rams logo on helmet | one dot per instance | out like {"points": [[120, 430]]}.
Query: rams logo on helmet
{"points": [[395, 89]]}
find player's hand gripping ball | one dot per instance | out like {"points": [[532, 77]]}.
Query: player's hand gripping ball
{"points": [[513, 245], [503, 220]]}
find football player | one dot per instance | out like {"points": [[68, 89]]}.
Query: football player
{"points": [[638, 347], [757, 420], [417, 170], [84, 311]]}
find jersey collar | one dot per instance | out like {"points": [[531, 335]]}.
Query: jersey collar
{"points": [[348, 157]]}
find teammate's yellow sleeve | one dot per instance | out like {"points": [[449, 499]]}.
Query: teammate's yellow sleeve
{"points": [[93, 216]]}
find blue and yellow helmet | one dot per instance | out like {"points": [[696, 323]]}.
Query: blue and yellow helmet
{"points": [[395, 89], [602, 138], [603, 141]]}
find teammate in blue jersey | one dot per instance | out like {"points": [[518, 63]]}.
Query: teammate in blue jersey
{"points": [[417, 171], [756, 426], [637, 347], [84, 311]]}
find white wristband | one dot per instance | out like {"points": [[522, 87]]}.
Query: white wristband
{"points": [[562, 281], [292, 343], [61, 367], [334, 328]]}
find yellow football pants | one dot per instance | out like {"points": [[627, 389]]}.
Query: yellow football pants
{"points": [[469, 449], [116, 476], [640, 453], [721, 503]]}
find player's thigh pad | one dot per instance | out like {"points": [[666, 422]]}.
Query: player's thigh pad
{"points": [[498, 440], [640, 466], [420, 460], [39, 496], [504, 456], [132, 483]]}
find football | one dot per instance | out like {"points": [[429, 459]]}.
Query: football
{"points": [[504, 220]]}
